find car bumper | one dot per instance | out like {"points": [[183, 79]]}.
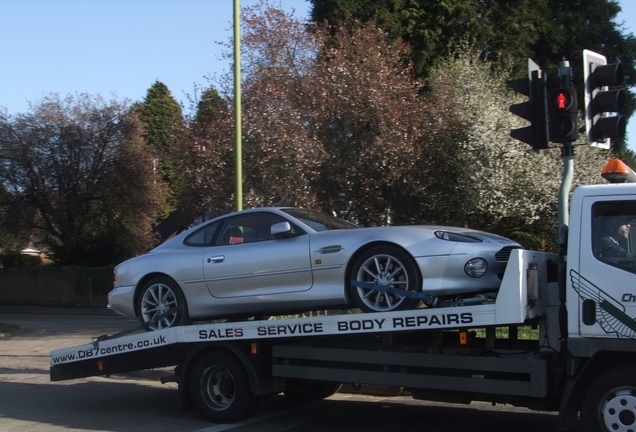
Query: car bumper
{"points": [[121, 300], [442, 276]]}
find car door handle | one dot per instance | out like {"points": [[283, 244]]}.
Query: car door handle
{"points": [[218, 258], [330, 249]]}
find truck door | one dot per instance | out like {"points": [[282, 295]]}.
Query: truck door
{"points": [[605, 279]]}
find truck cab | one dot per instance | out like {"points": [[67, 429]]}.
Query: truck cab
{"points": [[601, 265], [599, 293]]}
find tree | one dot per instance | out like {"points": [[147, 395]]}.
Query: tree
{"points": [[209, 108], [209, 158], [81, 178], [164, 133], [373, 123], [13, 237], [504, 33], [204, 155], [281, 156], [333, 123], [433, 28]]}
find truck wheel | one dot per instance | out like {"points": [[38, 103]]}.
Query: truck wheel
{"points": [[610, 402], [306, 391], [157, 297], [219, 388], [386, 266]]}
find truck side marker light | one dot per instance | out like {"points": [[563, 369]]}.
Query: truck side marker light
{"points": [[463, 338]]}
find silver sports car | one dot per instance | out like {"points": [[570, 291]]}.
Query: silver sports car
{"points": [[280, 260]]}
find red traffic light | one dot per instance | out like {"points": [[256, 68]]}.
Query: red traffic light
{"points": [[562, 99], [562, 107]]}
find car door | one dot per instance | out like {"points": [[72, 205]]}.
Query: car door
{"points": [[249, 262]]}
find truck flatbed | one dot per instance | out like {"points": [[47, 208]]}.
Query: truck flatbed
{"points": [[167, 347]]}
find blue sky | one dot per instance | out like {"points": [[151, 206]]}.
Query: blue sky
{"points": [[111, 47], [121, 47]]}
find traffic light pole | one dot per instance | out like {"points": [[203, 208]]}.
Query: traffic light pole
{"points": [[565, 74], [567, 154]]}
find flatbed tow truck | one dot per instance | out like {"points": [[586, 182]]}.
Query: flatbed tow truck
{"points": [[583, 362]]}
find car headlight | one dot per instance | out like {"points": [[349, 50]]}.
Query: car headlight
{"points": [[476, 267]]}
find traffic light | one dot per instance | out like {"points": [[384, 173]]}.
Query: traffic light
{"points": [[600, 102], [562, 108], [534, 110]]}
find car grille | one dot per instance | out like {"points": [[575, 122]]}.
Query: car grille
{"points": [[504, 254]]}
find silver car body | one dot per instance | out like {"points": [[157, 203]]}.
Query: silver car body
{"points": [[301, 272]]}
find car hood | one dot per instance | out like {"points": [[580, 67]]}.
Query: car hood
{"points": [[431, 229]]}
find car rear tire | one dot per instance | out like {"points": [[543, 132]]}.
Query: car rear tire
{"points": [[162, 304], [384, 266]]}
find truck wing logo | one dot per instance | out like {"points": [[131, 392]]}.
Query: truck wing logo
{"points": [[610, 313]]}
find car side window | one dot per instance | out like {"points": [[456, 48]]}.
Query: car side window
{"points": [[249, 228], [613, 242], [204, 236]]}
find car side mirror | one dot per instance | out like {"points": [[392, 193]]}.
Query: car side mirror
{"points": [[281, 229]]}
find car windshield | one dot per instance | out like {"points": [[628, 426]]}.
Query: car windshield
{"points": [[319, 221]]}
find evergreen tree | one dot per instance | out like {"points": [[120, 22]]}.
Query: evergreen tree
{"points": [[164, 132], [209, 107], [205, 156]]}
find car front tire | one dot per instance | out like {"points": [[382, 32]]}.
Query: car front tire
{"points": [[385, 267]]}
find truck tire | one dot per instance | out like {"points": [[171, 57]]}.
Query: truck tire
{"points": [[384, 266], [609, 404], [306, 391], [159, 296], [219, 388]]}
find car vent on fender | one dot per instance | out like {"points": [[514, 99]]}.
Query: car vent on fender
{"points": [[504, 254]]}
